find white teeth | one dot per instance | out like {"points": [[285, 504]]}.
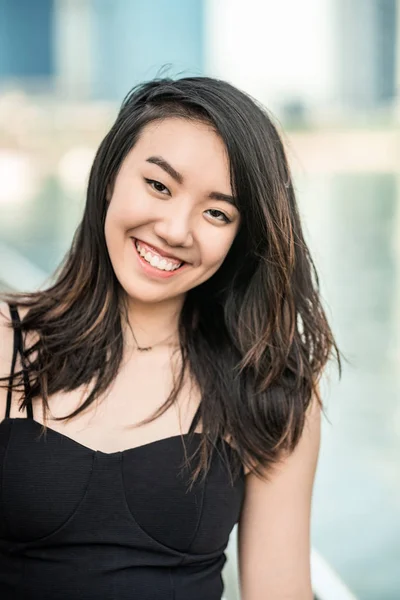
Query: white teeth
{"points": [[159, 263]]}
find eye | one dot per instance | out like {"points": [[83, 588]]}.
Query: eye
{"points": [[218, 215], [157, 186]]}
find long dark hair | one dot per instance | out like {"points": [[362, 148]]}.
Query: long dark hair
{"points": [[254, 337]]}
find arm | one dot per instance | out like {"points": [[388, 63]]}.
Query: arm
{"points": [[274, 527]]}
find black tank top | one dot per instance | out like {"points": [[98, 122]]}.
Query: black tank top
{"points": [[80, 524]]}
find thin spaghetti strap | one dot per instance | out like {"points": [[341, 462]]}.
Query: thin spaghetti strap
{"points": [[196, 419], [13, 363], [18, 347]]}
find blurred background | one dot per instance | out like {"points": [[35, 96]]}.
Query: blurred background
{"points": [[329, 70]]}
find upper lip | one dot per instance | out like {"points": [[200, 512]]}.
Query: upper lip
{"points": [[158, 250]]}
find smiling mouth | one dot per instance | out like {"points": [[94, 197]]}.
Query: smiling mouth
{"points": [[161, 263]]}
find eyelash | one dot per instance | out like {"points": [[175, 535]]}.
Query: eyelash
{"points": [[151, 183], [225, 218]]}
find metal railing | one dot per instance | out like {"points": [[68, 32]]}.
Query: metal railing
{"points": [[326, 583]]}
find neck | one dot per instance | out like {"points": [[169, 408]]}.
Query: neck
{"points": [[152, 323]]}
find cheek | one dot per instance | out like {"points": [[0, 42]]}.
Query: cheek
{"points": [[124, 213], [117, 222], [111, 227], [119, 213], [215, 250]]}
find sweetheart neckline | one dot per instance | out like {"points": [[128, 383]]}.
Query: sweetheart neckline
{"points": [[92, 450], [117, 453]]}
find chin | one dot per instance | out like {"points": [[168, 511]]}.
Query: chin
{"points": [[149, 296]]}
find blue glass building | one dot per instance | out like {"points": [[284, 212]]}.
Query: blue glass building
{"points": [[26, 40], [99, 48]]}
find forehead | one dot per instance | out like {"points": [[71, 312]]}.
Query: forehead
{"points": [[189, 146]]}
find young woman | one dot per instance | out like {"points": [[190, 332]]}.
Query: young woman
{"points": [[164, 387]]}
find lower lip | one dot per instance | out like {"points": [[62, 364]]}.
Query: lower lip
{"points": [[153, 271]]}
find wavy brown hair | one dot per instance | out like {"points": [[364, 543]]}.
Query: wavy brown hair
{"points": [[254, 337]]}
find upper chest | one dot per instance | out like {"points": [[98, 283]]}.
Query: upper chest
{"points": [[141, 386]]}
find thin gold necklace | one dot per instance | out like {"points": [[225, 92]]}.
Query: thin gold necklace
{"points": [[147, 348]]}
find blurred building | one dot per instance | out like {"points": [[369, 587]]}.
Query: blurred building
{"points": [[97, 49], [313, 58], [27, 42], [367, 53], [301, 58]]}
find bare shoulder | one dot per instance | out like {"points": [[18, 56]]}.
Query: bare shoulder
{"points": [[6, 350]]}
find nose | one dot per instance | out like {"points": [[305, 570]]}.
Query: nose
{"points": [[175, 228]]}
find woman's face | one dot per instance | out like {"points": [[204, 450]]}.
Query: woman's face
{"points": [[172, 218]]}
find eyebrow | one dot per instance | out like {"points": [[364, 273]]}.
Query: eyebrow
{"points": [[161, 162]]}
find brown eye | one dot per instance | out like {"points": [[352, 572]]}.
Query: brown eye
{"points": [[157, 186], [218, 215]]}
